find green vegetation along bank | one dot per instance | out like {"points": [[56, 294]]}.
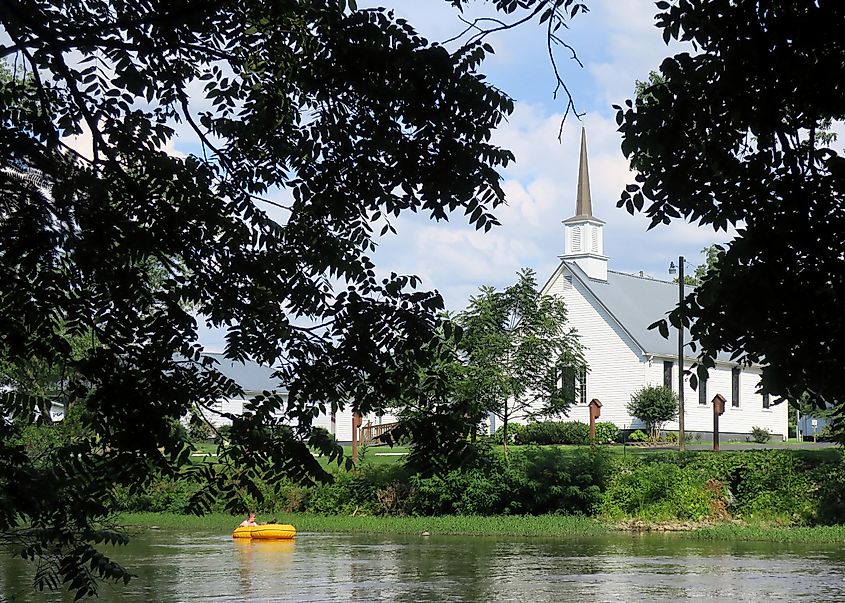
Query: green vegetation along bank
{"points": [[550, 526], [752, 488]]}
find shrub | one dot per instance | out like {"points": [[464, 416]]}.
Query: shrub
{"points": [[171, 496], [764, 484], [476, 491], [514, 431], [606, 432], [638, 436], [654, 406], [672, 437], [536, 481], [555, 432], [224, 433], [831, 480], [555, 480], [657, 491], [198, 430], [760, 435]]}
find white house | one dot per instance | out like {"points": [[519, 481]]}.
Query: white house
{"points": [[611, 312], [254, 379]]}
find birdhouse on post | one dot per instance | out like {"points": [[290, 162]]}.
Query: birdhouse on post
{"points": [[595, 413], [718, 411]]}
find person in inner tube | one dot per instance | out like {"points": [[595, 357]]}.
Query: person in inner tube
{"points": [[249, 521]]}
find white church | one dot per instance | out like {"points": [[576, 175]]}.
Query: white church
{"points": [[612, 311]]}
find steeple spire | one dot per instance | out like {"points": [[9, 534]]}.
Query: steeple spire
{"points": [[583, 237], [583, 202]]}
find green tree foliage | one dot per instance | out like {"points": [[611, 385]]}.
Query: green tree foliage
{"points": [[711, 256], [351, 113], [730, 137], [654, 406], [517, 350]]}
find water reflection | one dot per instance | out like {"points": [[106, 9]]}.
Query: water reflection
{"points": [[260, 559], [332, 567]]}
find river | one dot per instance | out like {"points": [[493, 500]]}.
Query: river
{"points": [[175, 567]]}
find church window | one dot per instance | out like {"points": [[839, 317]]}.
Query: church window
{"points": [[581, 389], [667, 373], [702, 391], [595, 240], [735, 387], [573, 381]]}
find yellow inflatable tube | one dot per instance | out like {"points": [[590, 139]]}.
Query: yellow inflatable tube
{"points": [[267, 531]]}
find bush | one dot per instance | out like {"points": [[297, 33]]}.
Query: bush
{"points": [[198, 430], [359, 492], [536, 481], [760, 435], [654, 406], [555, 432], [168, 495], [555, 480], [638, 436], [658, 491], [606, 432], [476, 491], [763, 484], [224, 433], [514, 431]]}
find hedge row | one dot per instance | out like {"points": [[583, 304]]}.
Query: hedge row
{"points": [[573, 433], [776, 486]]}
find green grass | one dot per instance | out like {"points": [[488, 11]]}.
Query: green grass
{"points": [[731, 531], [544, 525], [522, 526]]}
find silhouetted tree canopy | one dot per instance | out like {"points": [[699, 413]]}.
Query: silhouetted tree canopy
{"points": [[736, 134], [350, 113]]}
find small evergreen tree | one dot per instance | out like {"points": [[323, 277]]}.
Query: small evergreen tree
{"points": [[654, 406]]}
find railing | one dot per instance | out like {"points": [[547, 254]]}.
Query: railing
{"points": [[371, 435]]}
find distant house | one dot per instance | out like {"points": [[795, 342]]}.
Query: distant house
{"points": [[254, 379], [611, 312]]}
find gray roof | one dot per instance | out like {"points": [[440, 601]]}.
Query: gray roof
{"points": [[636, 302], [251, 376]]}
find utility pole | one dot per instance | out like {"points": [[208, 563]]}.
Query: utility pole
{"points": [[681, 446]]}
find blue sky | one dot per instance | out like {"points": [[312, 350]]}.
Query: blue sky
{"points": [[617, 44]]}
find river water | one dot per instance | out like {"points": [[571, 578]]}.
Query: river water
{"points": [[173, 567]]}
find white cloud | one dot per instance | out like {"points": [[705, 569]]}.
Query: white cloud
{"points": [[634, 46], [84, 144]]}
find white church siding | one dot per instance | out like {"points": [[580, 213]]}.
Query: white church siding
{"points": [[612, 356], [737, 420]]}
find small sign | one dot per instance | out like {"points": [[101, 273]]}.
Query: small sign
{"points": [[815, 423]]}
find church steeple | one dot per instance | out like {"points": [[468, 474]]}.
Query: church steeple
{"points": [[584, 239], [583, 201]]}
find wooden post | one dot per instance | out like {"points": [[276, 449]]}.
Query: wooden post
{"points": [[595, 413], [681, 413], [718, 410], [356, 424]]}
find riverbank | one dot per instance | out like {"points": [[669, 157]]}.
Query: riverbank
{"points": [[552, 526]]}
